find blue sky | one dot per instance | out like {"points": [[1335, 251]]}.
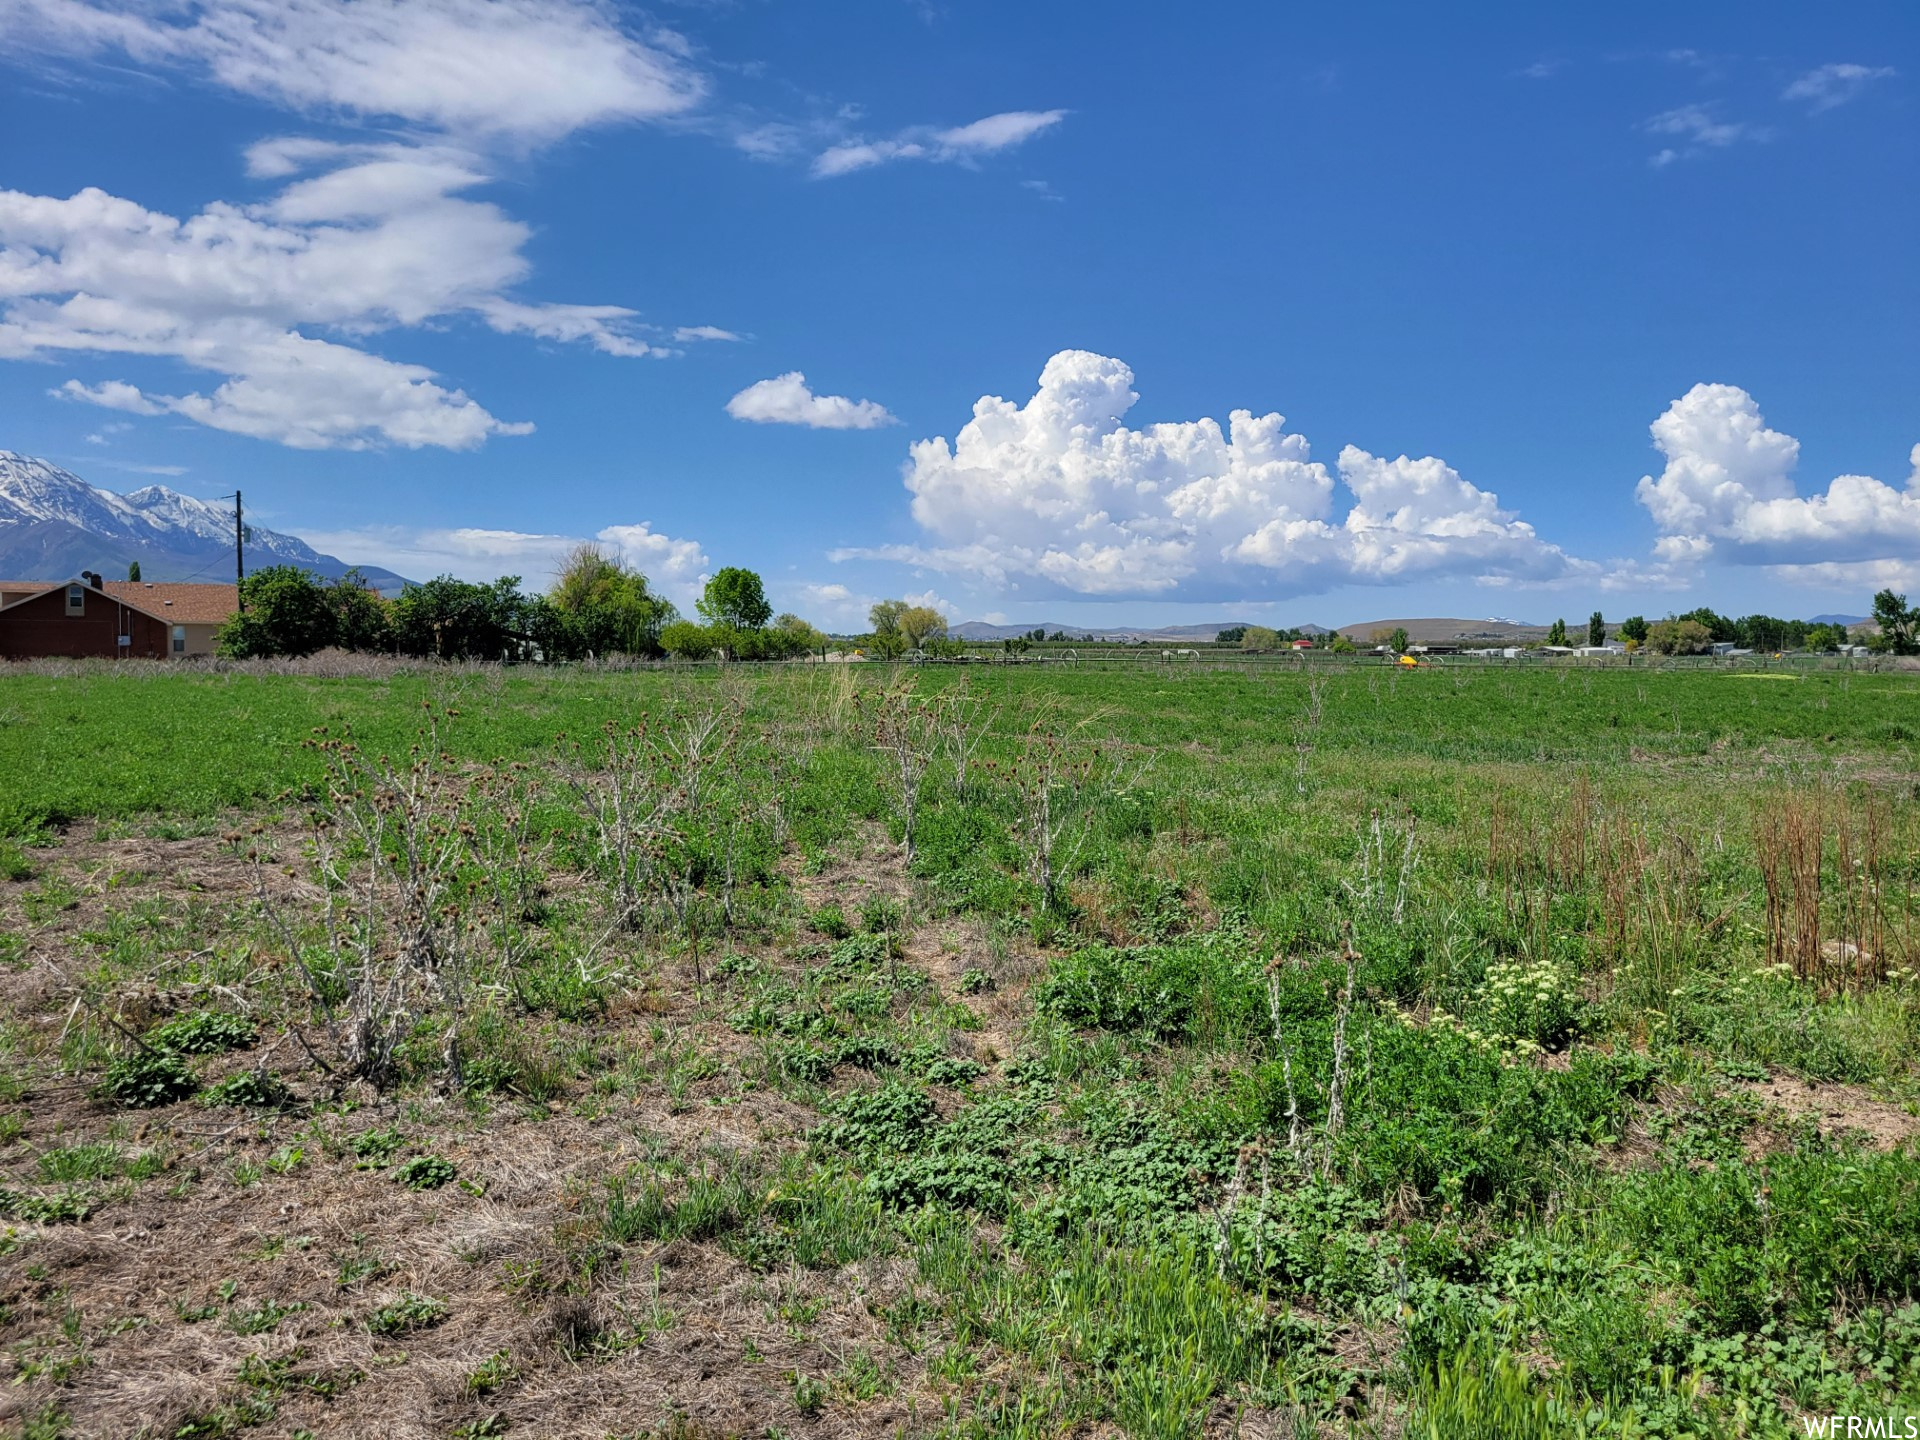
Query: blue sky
{"points": [[447, 284]]}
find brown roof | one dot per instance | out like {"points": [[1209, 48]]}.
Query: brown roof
{"points": [[176, 602], [182, 604]]}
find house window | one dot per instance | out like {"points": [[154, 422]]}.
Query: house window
{"points": [[76, 599], [179, 639]]}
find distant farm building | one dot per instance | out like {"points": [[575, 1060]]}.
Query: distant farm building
{"points": [[88, 617]]}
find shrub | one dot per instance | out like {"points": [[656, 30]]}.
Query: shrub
{"points": [[881, 916], [949, 1070], [251, 1089], [376, 1147], [142, 1079], [203, 1032], [805, 1064], [831, 921], [893, 1117], [1529, 1006], [492, 1373], [14, 864], [424, 1172], [64, 1209], [869, 1052]]}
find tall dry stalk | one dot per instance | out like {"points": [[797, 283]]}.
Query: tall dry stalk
{"points": [[905, 728], [1337, 1083], [1389, 852], [652, 796], [1843, 928], [390, 840], [1055, 781], [630, 796], [1306, 730], [1284, 1044], [962, 719]]}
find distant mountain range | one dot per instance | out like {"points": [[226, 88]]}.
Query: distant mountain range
{"points": [[1442, 630], [53, 525], [1185, 634]]}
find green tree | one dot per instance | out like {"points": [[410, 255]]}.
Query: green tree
{"points": [[920, 623], [599, 605], [1634, 628], [1258, 637], [686, 641], [1596, 629], [1398, 641], [1825, 637], [133, 572], [735, 597], [1719, 628], [460, 620], [285, 612], [883, 618], [360, 618], [1232, 635], [1340, 645], [1899, 625], [800, 635], [1557, 633], [1679, 636]]}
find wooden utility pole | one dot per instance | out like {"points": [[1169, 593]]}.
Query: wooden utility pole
{"points": [[239, 552]]}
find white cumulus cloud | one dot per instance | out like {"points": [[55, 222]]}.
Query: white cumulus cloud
{"points": [[526, 70], [1831, 85], [959, 144], [1727, 491], [382, 237], [1060, 490], [786, 400]]}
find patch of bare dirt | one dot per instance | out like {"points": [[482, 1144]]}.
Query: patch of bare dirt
{"points": [[240, 1275], [1837, 1109], [946, 949]]}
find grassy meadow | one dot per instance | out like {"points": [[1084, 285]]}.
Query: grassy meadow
{"points": [[1449, 1053]]}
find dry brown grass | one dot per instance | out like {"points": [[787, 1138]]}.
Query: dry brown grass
{"points": [[168, 1245]]}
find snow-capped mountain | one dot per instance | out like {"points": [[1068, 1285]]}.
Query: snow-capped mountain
{"points": [[53, 525]]}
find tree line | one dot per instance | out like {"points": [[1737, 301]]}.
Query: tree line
{"points": [[597, 606]]}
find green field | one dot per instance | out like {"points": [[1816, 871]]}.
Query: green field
{"points": [[1451, 1052]]}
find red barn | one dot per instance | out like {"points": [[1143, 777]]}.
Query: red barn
{"points": [[80, 619]]}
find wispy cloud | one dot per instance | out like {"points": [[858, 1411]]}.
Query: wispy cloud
{"points": [[1697, 130], [1833, 85], [128, 465], [363, 238], [960, 144], [526, 70]]}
